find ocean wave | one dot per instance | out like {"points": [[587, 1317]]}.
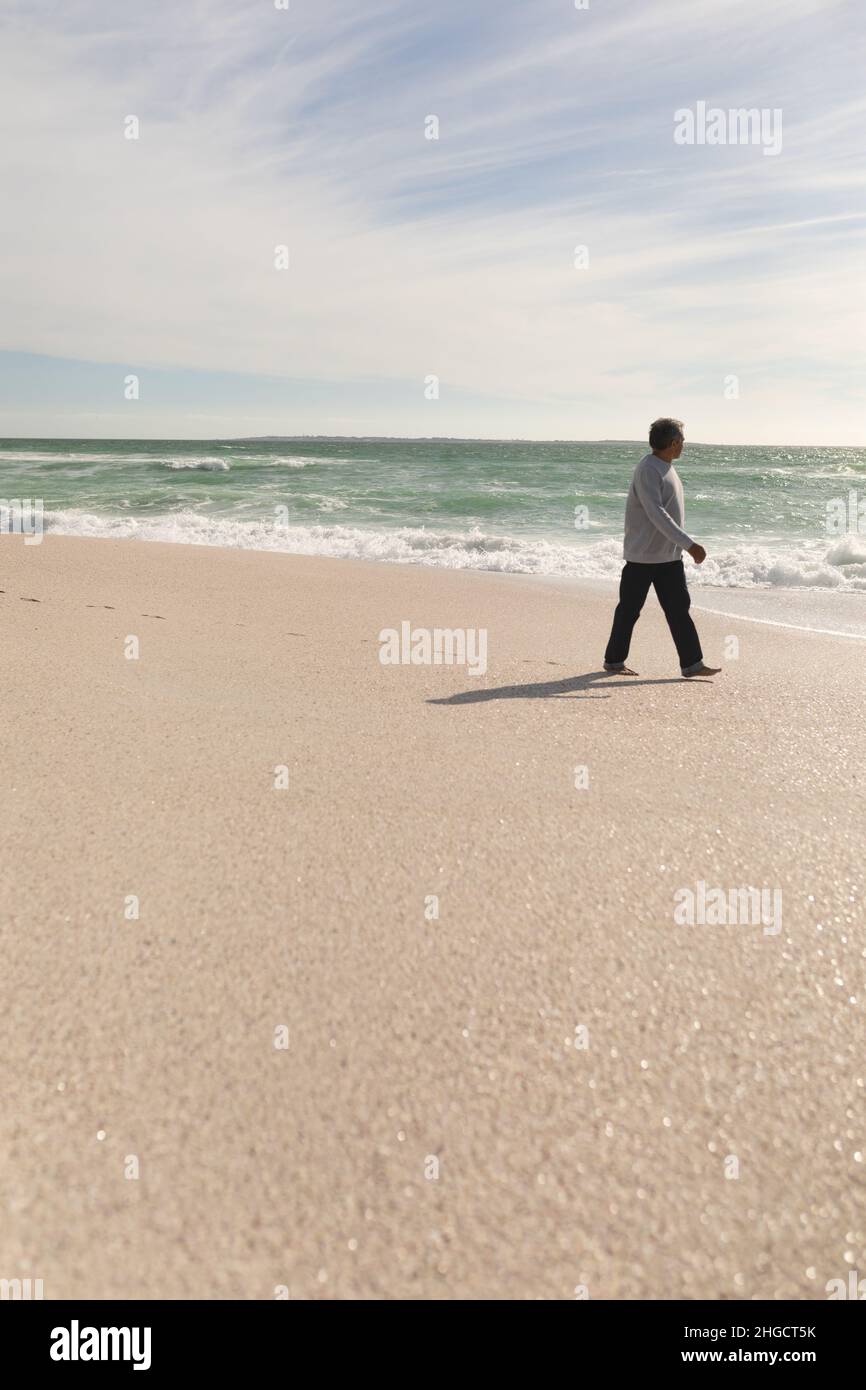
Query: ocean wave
{"points": [[173, 463], [30, 456], [813, 565], [177, 462], [295, 460], [841, 566], [208, 465], [308, 460], [323, 502]]}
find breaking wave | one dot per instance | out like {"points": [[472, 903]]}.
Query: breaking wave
{"points": [[813, 565]]}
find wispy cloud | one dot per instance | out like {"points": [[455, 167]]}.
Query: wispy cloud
{"points": [[452, 256]]}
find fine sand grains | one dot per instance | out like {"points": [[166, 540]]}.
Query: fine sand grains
{"points": [[364, 980]]}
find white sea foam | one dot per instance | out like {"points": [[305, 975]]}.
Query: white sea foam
{"points": [[296, 460], [178, 462], [308, 460], [207, 465], [323, 502], [34, 456], [21, 456], [815, 565]]}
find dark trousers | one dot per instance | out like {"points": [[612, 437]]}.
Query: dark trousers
{"points": [[669, 582]]}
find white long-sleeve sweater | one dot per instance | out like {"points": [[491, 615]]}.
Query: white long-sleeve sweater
{"points": [[654, 514]]}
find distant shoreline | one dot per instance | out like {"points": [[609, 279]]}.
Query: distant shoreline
{"points": [[375, 439]]}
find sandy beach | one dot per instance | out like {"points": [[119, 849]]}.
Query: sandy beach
{"points": [[286, 1074]]}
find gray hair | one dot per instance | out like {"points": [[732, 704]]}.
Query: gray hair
{"points": [[665, 432]]}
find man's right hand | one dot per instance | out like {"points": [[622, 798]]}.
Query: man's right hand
{"points": [[697, 553]]}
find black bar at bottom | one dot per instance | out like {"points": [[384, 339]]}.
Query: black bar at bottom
{"points": [[164, 1338]]}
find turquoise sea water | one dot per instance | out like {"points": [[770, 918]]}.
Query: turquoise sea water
{"points": [[508, 506]]}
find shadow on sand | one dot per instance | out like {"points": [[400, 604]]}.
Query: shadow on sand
{"points": [[567, 688]]}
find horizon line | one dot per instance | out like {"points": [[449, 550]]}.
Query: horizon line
{"points": [[382, 439]]}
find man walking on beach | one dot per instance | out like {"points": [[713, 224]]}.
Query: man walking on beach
{"points": [[654, 543]]}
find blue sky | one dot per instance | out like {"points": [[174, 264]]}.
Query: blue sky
{"points": [[412, 257]]}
